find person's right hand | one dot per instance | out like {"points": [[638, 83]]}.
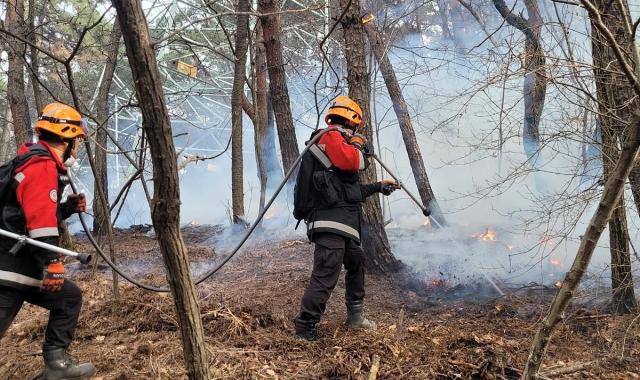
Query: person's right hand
{"points": [[53, 277]]}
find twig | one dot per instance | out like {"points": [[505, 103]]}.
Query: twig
{"points": [[400, 324], [569, 369], [375, 367]]}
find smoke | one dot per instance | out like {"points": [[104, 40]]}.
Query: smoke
{"points": [[483, 185]]}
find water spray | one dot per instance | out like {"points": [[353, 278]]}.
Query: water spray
{"points": [[426, 212]]}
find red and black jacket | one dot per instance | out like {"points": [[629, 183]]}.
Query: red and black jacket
{"points": [[33, 209], [338, 187]]}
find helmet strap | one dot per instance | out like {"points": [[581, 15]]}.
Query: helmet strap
{"points": [[67, 151]]}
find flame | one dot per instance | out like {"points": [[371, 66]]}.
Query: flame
{"points": [[490, 235], [427, 222]]}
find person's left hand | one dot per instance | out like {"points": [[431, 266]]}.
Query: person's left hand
{"points": [[388, 186]]}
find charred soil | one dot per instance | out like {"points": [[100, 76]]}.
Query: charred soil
{"points": [[424, 332]]}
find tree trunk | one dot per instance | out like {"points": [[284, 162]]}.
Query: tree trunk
{"points": [[278, 82], [611, 197], [165, 208], [262, 109], [237, 94], [535, 82], [17, 99], [616, 103], [634, 180], [404, 120], [6, 140], [272, 163], [374, 237], [443, 12], [101, 211], [34, 15], [102, 216]]}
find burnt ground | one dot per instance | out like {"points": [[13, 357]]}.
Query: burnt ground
{"points": [[424, 331]]}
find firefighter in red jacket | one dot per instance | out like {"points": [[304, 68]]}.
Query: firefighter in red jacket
{"points": [[334, 225], [33, 274]]}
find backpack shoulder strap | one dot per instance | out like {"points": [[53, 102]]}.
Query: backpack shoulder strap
{"points": [[34, 150]]}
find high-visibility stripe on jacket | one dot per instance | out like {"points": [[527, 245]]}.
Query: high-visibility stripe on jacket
{"points": [[342, 162]]}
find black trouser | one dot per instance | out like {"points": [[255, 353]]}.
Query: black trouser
{"points": [[64, 310], [332, 251]]}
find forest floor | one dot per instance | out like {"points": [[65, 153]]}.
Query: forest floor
{"points": [[248, 308]]}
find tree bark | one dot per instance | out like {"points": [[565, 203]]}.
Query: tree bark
{"points": [[374, 237], [165, 207], [616, 102], [237, 94], [101, 210], [610, 199], [272, 31], [34, 14], [17, 99], [272, 163], [101, 216], [404, 120], [262, 109], [535, 82], [6, 140]]}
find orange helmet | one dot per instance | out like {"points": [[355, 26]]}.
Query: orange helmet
{"points": [[346, 108], [61, 120]]}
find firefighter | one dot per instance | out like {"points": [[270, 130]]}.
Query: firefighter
{"points": [[33, 274], [334, 225]]}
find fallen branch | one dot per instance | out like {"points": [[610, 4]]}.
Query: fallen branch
{"points": [[375, 367], [570, 369]]}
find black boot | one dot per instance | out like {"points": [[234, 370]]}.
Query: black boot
{"points": [[355, 317], [306, 330], [59, 366]]}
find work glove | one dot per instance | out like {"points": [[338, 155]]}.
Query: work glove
{"points": [[388, 186], [53, 277], [75, 203], [361, 142]]}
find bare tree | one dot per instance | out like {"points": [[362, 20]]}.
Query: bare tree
{"points": [[616, 102], [34, 13], [101, 211], [262, 110], [535, 81], [165, 209], [374, 239], [272, 30], [404, 120], [237, 95], [16, 49], [613, 189]]}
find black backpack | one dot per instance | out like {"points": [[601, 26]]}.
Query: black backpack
{"points": [[7, 171], [304, 193]]}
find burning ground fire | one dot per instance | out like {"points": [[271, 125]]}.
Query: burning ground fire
{"points": [[488, 235]]}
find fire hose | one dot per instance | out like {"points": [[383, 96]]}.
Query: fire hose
{"points": [[212, 271]]}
